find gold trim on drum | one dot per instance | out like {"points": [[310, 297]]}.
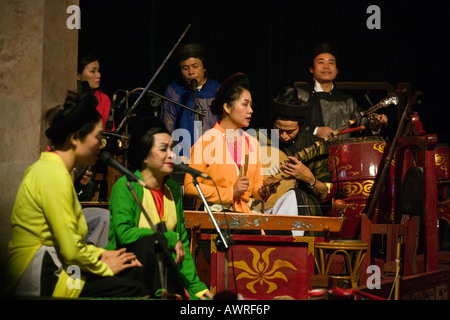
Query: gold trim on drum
{"points": [[335, 162], [380, 146], [347, 171], [357, 188]]}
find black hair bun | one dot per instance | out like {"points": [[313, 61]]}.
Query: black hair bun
{"points": [[77, 111]]}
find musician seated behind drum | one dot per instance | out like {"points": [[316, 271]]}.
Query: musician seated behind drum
{"points": [[311, 172], [228, 154], [330, 108]]}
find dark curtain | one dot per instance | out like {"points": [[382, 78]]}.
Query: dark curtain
{"points": [[271, 42]]}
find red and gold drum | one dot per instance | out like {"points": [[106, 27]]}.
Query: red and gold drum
{"points": [[356, 164]]}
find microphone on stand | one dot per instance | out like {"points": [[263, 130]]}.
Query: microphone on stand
{"points": [[122, 102], [193, 172], [110, 122], [108, 159], [193, 84]]}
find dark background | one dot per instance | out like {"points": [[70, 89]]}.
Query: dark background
{"points": [[271, 42]]}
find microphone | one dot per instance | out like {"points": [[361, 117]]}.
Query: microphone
{"points": [[108, 159], [193, 172], [110, 122], [193, 83], [114, 102], [122, 102]]}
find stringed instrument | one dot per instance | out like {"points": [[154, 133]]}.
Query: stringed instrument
{"points": [[79, 171], [286, 182], [84, 192]]}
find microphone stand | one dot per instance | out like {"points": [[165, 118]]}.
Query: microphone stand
{"points": [[152, 79], [197, 106], [202, 113], [161, 249], [223, 241], [198, 112]]}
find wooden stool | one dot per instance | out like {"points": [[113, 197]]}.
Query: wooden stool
{"points": [[353, 252]]}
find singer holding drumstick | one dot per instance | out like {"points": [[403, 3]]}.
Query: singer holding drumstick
{"points": [[228, 154], [150, 158], [48, 255]]}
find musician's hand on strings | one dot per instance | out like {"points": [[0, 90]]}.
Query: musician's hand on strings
{"points": [[323, 132], [297, 169], [86, 178], [265, 192], [240, 186]]}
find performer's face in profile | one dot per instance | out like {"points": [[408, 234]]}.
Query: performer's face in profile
{"points": [[240, 113], [91, 74], [325, 68], [288, 130], [193, 68], [88, 148], [159, 159]]}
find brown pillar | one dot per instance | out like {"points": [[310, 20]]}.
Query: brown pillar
{"points": [[38, 59]]}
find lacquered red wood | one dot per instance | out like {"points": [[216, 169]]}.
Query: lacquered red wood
{"points": [[355, 164], [265, 267]]}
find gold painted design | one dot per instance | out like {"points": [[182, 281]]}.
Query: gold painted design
{"points": [[379, 146], [309, 240], [357, 188], [213, 244], [347, 171], [333, 163], [441, 161], [262, 270]]}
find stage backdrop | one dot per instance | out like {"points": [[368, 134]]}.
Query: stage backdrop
{"points": [[271, 41]]}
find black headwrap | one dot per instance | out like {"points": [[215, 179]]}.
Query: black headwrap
{"points": [[288, 106], [77, 111], [222, 94], [324, 48], [190, 50]]}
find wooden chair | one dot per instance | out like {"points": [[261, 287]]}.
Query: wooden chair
{"points": [[353, 252]]}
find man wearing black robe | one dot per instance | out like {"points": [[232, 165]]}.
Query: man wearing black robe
{"points": [[330, 108]]}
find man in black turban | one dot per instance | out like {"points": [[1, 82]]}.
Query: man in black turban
{"points": [[310, 170], [330, 108]]}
